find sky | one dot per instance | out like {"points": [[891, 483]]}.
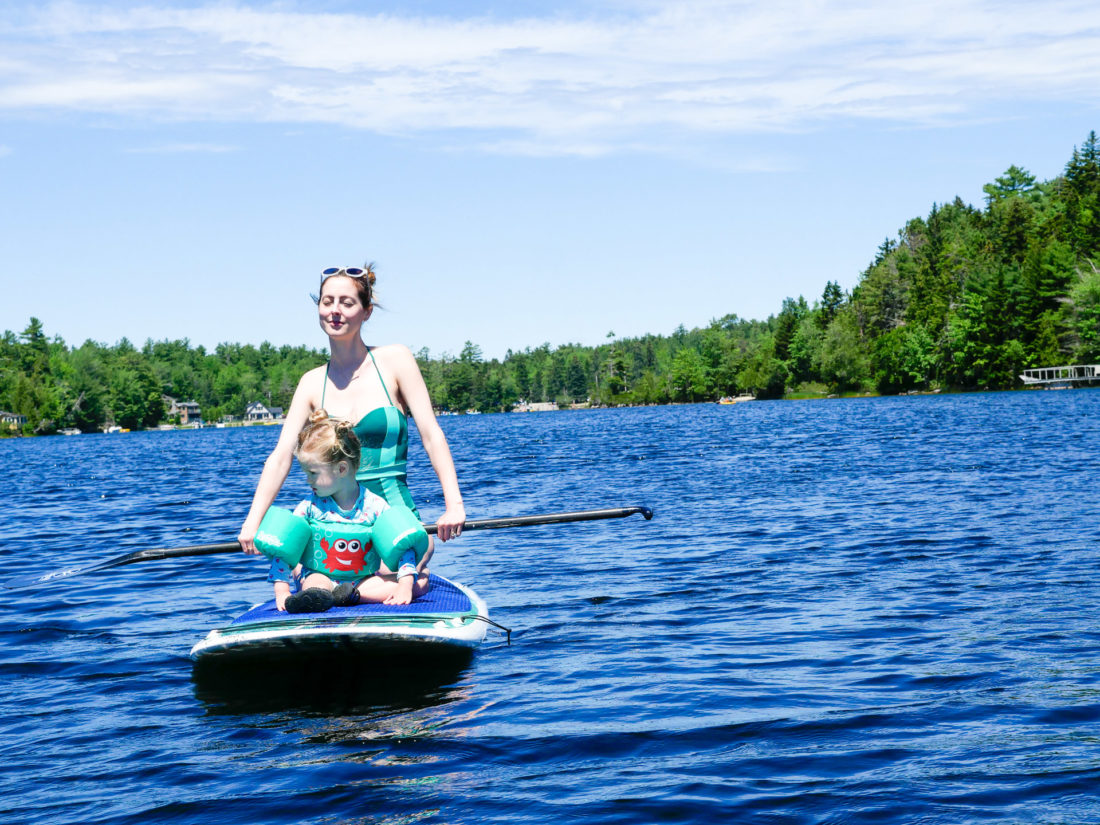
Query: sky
{"points": [[520, 172]]}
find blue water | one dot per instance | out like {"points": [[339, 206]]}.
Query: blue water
{"points": [[846, 611]]}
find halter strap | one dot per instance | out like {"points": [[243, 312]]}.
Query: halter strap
{"points": [[370, 352]]}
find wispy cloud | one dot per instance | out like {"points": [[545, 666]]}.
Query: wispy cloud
{"points": [[181, 148], [580, 85]]}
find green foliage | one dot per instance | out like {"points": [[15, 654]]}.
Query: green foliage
{"points": [[1082, 199], [789, 317], [688, 378], [1084, 300], [805, 350], [984, 333], [135, 397], [831, 301], [903, 360], [843, 363], [1015, 182]]}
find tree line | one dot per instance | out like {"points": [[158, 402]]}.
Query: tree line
{"points": [[55, 386], [964, 298]]}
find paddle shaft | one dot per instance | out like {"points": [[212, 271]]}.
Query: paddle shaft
{"points": [[549, 518], [235, 547]]}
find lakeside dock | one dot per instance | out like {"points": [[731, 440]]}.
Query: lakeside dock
{"points": [[1059, 377]]}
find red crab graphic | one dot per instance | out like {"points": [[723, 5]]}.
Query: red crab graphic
{"points": [[345, 555]]}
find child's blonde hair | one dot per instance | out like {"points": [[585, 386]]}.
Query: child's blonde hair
{"points": [[329, 439]]}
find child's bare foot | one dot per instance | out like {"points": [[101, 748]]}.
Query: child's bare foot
{"points": [[404, 592]]}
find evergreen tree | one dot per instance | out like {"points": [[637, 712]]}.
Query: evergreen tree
{"points": [[831, 301], [1082, 198], [1014, 183], [789, 317], [576, 379]]}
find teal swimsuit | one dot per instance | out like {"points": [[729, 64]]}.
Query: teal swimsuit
{"points": [[384, 437]]}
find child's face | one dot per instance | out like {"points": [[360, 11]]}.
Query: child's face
{"points": [[324, 478]]}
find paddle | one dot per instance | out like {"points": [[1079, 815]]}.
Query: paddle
{"points": [[22, 582]]}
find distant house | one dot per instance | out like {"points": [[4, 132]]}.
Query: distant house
{"points": [[13, 421], [189, 412], [257, 411], [535, 406]]}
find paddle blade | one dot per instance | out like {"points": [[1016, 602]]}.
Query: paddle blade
{"points": [[25, 582]]}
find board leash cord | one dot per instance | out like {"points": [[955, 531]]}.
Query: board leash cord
{"points": [[498, 626]]}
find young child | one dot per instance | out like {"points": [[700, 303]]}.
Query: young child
{"points": [[329, 452]]}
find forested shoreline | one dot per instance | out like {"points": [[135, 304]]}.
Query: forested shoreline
{"points": [[963, 299]]}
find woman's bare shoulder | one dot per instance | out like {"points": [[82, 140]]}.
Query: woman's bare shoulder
{"points": [[389, 349], [315, 372], [310, 385], [393, 355]]}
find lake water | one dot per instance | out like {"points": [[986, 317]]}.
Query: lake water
{"points": [[846, 611]]}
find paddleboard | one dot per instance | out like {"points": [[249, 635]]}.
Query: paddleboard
{"points": [[449, 617]]}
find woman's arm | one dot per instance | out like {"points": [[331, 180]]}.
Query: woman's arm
{"points": [[414, 392], [278, 464]]}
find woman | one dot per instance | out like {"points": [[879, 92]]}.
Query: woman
{"points": [[376, 388]]}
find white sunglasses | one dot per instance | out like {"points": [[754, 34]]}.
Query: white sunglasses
{"points": [[352, 271]]}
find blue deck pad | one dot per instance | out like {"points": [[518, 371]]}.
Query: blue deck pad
{"points": [[442, 597]]}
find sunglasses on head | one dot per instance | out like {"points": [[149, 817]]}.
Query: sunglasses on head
{"points": [[352, 271]]}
